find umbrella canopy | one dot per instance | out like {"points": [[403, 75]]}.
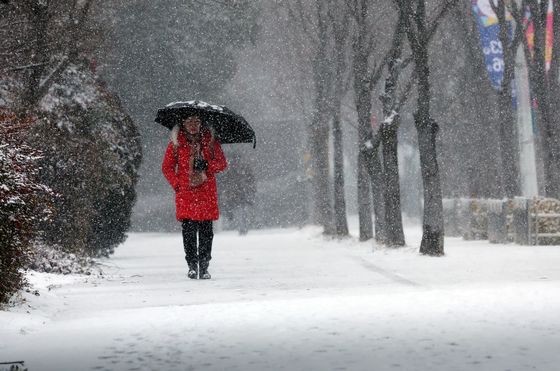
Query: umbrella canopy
{"points": [[228, 126]]}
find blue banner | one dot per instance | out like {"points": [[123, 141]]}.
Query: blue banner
{"points": [[490, 39], [492, 48]]}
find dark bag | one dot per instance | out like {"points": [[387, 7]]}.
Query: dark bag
{"points": [[200, 164]]}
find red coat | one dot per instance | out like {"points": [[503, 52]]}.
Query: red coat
{"points": [[199, 203]]}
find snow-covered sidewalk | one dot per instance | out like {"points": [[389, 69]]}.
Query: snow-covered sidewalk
{"points": [[293, 300]]}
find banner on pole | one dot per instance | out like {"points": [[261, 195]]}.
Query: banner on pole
{"points": [[489, 29], [549, 34]]}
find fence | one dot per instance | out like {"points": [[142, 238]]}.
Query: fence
{"points": [[520, 220], [544, 228]]}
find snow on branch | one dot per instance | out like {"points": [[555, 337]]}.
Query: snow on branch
{"points": [[390, 119], [26, 67], [47, 81]]}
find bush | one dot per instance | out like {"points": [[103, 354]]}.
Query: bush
{"points": [[82, 147], [92, 154], [51, 259], [24, 202]]}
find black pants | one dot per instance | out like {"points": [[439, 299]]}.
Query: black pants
{"points": [[205, 235]]}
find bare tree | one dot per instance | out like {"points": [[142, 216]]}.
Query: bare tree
{"points": [[392, 100], [545, 85], [319, 138], [339, 17], [323, 28], [394, 234], [418, 32], [311, 20], [40, 40], [368, 62], [507, 128], [478, 111]]}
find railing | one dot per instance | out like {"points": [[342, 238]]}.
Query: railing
{"points": [[12, 366], [535, 235], [520, 220]]}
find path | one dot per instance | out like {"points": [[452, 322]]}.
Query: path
{"points": [[290, 299]]}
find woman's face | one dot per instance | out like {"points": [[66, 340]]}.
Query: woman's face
{"points": [[192, 125]]}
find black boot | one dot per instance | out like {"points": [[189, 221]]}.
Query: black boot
{"points": [[204, 275], [193, 271]]}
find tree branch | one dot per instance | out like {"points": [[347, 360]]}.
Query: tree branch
{"points": [[406, 92], [45, 85], [11, 25], [406, 8], [446, 7], [26, 67], [302, 20]]}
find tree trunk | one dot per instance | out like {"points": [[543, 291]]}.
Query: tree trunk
{"points": [[550, 146], [554, 80], [555, 63], [377, 179], [549, 132], [483, 176], [393, 228], [363, 107], [433, 233], [507, 121], [508, 143], [322, 208], [340, 221], [341, 33], [394, 234], [364, 200], [39, 20], [362, 95]]}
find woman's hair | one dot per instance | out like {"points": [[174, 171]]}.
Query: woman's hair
{"points": [[191, 116], [179, 127], [174, 135]]}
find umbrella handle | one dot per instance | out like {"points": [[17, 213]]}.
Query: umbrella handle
{"points": [[254, 141]]}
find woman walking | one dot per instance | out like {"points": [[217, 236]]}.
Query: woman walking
{"points": [[191, 160]]}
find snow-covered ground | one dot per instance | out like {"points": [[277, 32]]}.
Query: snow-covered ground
{"points": [[291, 299]]}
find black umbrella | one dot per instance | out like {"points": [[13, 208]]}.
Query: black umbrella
{"points": [[228, 126]]}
